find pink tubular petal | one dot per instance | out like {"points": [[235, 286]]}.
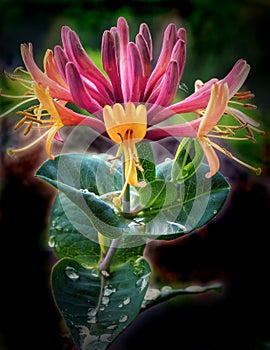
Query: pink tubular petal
{"points": [[169, 39], [56, 90], [215, 108], [181, 34], [237, 76], [110, 63], [145, 33], [179, 55], [136, 79], [242, 116], [169, 85], [79, 93], [188, 129], [211, 156], [144, 54], [193, 103], [61, 60], [123, 30], [86, 66], [64, 34]]}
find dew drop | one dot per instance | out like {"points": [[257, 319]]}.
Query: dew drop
{"points": [[143, 281], [166, 289], [105, 301], [92, 312], [214, 212], [126, 301], [54, 223], [113, 326], [92, 320], [123, 318], [94, 273], [194, 289], [152, 294], [105, 338], [108, 291], [120, 306], [71, 273]]}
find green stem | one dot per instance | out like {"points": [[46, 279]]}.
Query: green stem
{"points": [[105, 264]]}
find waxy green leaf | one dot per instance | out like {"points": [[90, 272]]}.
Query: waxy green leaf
{"points": [[97, 309]]}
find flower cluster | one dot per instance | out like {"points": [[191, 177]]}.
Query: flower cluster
{"points": [[128, 101]]}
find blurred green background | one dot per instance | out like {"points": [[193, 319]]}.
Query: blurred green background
{"points": [[233, 248]]}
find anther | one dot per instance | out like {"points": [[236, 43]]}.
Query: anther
{"points": [[28, 128], [20, 123]]}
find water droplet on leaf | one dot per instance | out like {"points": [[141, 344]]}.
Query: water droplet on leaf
{"points": [[152, 294], [105, 301], [123, 318], [105, 338], [166, 289], [108, 291], [126, 301], [71, 273]]}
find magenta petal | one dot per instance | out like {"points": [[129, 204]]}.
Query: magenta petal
{"points": [[179, 55], [181, 34], [136, 79], [145, 55], [145, 33], [87, 68], [64, 35], [109, 62], [237, 76], [79, 93], [123, 30], [169, 40], [188, 129], [197, 101], [169, 85], [61, 60]]}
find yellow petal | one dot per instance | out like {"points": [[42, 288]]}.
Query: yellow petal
{"points": [[215, 108], [211, 156]]}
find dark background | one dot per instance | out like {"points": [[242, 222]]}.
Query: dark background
{"points": [[233, 248]]}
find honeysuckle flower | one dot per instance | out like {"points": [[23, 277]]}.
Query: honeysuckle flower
{"points": [[208, 128], [129, 80], [126, 127]]}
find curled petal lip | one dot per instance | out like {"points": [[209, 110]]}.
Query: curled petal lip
{"points": [[56, 90]]}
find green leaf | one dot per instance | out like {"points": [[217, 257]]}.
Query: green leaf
{"points": [[147, 162], [156, 296], [198, 200], [97, 310], [85, 172], [75, 175], [171, 209], [72, 234], [158, 193], [188, 158]]}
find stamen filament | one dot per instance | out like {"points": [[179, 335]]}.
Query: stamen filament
{"points": [[11, 152], [16, 96], [117, 200], [231, 137], [227, 153]]}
